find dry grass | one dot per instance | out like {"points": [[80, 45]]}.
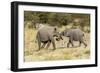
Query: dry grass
{"points": [[30, 53]]}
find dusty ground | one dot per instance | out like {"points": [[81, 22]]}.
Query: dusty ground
{"points": [[61, 53]]}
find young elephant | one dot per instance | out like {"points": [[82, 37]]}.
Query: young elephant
{"points": [[74, 35], [46, 35]]}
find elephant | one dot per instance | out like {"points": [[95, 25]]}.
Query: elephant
{"points": [[46, 35], [74, 35]]}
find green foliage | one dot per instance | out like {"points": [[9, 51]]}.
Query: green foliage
{"points": [[58, 19]]}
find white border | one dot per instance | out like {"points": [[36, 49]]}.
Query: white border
{"points": [[22, 64]]}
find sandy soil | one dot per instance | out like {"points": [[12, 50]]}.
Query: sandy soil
{"points": [[61, 52]]}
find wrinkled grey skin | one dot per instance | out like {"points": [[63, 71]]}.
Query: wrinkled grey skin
{"points": [[46, 35], [74, 35]]}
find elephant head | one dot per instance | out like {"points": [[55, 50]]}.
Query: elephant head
{"points": [[57, 35]]}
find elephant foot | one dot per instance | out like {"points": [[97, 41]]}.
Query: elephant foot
{"points": [[67, 46], [85, 46]]}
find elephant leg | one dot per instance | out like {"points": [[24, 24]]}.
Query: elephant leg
{"points": [[43, 45], [84, 43], [71, 43], [80, 43], [68, 44], [53, 43], [48, 44]]}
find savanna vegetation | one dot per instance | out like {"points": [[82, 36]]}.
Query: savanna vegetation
{"points": [[62, 21], [74, 20]]}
